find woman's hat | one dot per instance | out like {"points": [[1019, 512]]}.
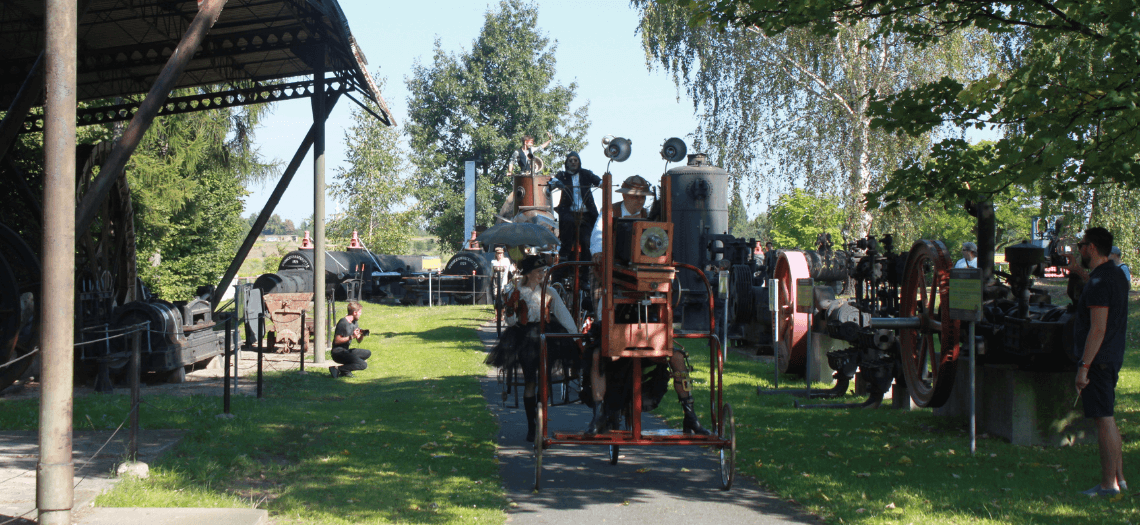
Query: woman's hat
{"points": [[532, 263]]}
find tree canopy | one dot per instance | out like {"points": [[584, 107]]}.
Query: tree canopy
{"points": [[477, 105], [1068, 105], [790, 110], [373, 186]]}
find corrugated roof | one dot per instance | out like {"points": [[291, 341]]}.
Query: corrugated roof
{"points": [[123, 45]]}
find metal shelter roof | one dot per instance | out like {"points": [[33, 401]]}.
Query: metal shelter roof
{"points": [[247, 57]]}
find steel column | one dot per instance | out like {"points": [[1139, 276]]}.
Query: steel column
{"points": [[208, 13], [267, 210], [55, 472], [320, 113]]}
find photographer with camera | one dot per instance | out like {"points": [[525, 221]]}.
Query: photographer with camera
{"points": [[346, 331]]}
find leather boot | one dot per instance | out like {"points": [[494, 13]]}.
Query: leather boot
{"points": [[531, 406], [600, 423], [692, 424]]}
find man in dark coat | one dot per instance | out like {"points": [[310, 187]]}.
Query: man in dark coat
{"points": [[576, 208]]}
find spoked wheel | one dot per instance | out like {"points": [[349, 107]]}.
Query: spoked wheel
{"points": [[930, 352], [791, 350], [539, 436], [614, 452], [728, 452], [19, 290], [105, 252]]}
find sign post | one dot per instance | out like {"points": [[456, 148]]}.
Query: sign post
{"points": [[805, 304], [966, 305], [774, 307]]}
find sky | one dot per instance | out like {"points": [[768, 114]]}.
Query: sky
{"points": [[597, 47]]}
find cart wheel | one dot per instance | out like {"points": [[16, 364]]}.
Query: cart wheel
{"points": [[614, 450], [539, 436], [728, 452]]}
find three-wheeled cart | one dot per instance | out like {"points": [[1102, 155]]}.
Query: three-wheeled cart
{"points": [[639, 282]]}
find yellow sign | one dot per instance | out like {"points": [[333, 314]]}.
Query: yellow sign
{"points": [[431, 262], [965, 294], [804, 288]]}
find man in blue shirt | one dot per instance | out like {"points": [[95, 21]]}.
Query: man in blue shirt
{"points": [[1101, 323]]}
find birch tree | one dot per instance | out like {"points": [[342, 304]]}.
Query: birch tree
{"points": [[791, 109]]}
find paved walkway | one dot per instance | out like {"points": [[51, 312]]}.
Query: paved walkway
{"points": [[96, 454], [649, 484]]}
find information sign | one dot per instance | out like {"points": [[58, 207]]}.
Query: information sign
{"points": [[804, 288], [966, 294], [722, 282]]}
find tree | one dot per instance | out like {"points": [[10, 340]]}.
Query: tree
{"points": [[1068, 105], [790, 109], [188, 178], [799, 217], [478, 105], [374, 185]]}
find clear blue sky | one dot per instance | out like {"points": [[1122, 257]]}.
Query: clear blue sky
{"points": [[597, 47]]}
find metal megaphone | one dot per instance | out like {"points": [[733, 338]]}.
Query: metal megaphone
{"points": [[616, 148], [673, 150]]}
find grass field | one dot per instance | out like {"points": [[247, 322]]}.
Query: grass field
{"points": [[891, 466], [409, 440]]}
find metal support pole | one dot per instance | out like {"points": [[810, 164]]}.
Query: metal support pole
{"points": [[136, 394], [226, 368], [270, 205], [429, 289], [208, 13], [320, 113], [55, 472], [304, 341], [973, 390], [774, 305], [260, 349]]}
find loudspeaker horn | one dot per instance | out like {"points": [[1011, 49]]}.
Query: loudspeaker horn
{"points": [[617, 148], [673, 150]]}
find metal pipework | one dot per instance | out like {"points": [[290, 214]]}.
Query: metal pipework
{"points": [[896, 323], [55, 471]]}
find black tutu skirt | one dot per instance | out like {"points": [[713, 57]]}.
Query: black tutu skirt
{"points": [[520, 344]]}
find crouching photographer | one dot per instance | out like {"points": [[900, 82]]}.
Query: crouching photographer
{"points": [[346, 331]]}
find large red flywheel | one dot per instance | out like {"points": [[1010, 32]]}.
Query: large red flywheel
{"points": [[792, 326], [930, 352]]}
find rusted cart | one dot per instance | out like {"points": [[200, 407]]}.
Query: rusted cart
{"points": [[639, 274]]}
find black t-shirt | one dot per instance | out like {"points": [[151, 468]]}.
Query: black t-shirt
{"points": [[1106, 288], [344, 328]]}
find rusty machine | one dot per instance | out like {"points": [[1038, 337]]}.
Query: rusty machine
{"points": [[637, 324], [350, 275]]}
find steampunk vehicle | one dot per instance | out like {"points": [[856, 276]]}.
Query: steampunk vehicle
{"points": [[636, 320]]}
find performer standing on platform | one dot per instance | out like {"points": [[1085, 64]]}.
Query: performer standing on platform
{"points": [[576, 209], [524, 156]]}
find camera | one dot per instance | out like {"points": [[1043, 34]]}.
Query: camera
{"points": [[364, 332]]}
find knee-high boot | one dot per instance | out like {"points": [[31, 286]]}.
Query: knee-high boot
{"points": [[692, 423], [600, 423], [531, 406]]}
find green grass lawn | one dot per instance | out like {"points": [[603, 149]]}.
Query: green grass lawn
{"points": [[409, 440], [892, 466]]}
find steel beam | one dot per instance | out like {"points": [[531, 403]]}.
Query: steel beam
{"points": [[267, 210], [320, 114], [208, 13], [29, 93], [55, 473]]}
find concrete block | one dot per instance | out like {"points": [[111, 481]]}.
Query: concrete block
{"points": [[1026, 408]]}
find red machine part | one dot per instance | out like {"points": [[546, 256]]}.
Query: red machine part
{"points": [[792, 326], [930, 352]]}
